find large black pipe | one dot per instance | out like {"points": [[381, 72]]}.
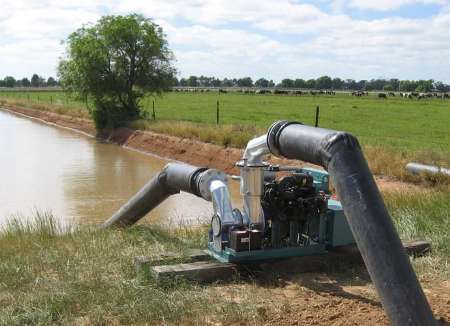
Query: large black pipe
{"points": [[380, 246], [170, 180]]}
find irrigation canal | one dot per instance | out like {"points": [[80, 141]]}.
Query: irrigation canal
{"points": [[79, 179]]}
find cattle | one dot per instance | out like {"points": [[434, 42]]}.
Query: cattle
{"points": [[262, 91], [391, 94], [222, 91], [280, 91], [382, 95]]}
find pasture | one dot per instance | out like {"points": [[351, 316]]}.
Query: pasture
{"points": [[402, 125]]}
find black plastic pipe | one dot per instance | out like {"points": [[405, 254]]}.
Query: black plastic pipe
{"points": [[378, 242], [173, 178]]}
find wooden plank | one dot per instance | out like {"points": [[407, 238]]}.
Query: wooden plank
{"points": [[201, 271], [416, 248], [191, 256]]}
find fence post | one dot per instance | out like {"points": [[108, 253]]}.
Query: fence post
{"points": [[317, 116], [153, 110], [217, 112], [51, 99]]}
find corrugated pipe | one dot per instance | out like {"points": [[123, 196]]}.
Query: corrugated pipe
{"points": [[380, 246]]}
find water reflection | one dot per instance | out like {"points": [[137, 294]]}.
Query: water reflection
{"points": [[78, 178]]}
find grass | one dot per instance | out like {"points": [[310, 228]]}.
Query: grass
{"points": [[401, 124], [424, 215], [86, 276]]}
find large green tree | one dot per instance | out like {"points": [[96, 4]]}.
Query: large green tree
{"points": [[115, 63]]}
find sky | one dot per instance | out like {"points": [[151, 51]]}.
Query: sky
{"points": [[275, 39]]}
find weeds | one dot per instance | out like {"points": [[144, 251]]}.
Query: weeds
{"points": [[424, 215]]}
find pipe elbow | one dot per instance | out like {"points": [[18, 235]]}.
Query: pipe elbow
{"points": [[293, 140], [337, 142]]}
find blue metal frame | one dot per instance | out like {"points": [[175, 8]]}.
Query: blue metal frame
{"points": [[228, 255]]}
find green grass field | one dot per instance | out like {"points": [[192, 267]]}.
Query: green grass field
{"points": [[402, 124]]}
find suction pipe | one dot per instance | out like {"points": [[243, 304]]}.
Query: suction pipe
{"points": [[209, 184]]}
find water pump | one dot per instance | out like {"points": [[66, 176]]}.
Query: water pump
{"points": [[287, 211]]}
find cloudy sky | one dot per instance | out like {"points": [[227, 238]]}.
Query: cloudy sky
{"points": [[360, 39]]}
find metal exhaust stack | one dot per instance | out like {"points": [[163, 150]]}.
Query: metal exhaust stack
{"points": [[372, 227], [172, 179]]}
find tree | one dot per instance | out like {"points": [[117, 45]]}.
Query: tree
{"points": [[300, 83], [193, 81], [262, 82], [287, 83], [227, 82], [116, 62], [388, 88], [324, 82], [245, 82], [35, 80], [337, 83], [424, 86], [26, 82], [311, 83], [51, 82], [9, 81]]}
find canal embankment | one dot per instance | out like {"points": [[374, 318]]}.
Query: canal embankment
{"points": [[206, 154]]}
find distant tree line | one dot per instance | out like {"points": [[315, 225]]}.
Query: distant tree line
{"points": [[35, 81], [324, 82]]}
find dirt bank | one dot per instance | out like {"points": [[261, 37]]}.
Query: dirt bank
{"points": [[173, 148]]}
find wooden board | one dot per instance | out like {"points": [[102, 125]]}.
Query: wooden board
{"points": [[416, 248], [143, 263], [201, 268], [201, 271]]}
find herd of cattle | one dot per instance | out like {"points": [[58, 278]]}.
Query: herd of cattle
{"points": [[277, 91], [416, 95]]}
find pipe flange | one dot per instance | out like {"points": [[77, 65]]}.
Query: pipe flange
{"points": [[205, 179], [273, 135], [243, 164]]}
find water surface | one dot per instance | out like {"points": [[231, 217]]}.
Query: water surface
{"points": [[77, 178]]}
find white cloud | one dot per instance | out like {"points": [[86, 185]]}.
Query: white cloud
{"points": [[272, 38], [385, 5]]}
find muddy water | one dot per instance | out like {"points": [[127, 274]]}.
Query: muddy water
{"points": [[77, 178]]}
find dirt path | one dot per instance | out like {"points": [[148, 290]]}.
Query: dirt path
{"points": [[321, 299]]}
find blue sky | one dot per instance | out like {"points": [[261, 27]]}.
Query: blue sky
{"points": [[361, 39]]}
